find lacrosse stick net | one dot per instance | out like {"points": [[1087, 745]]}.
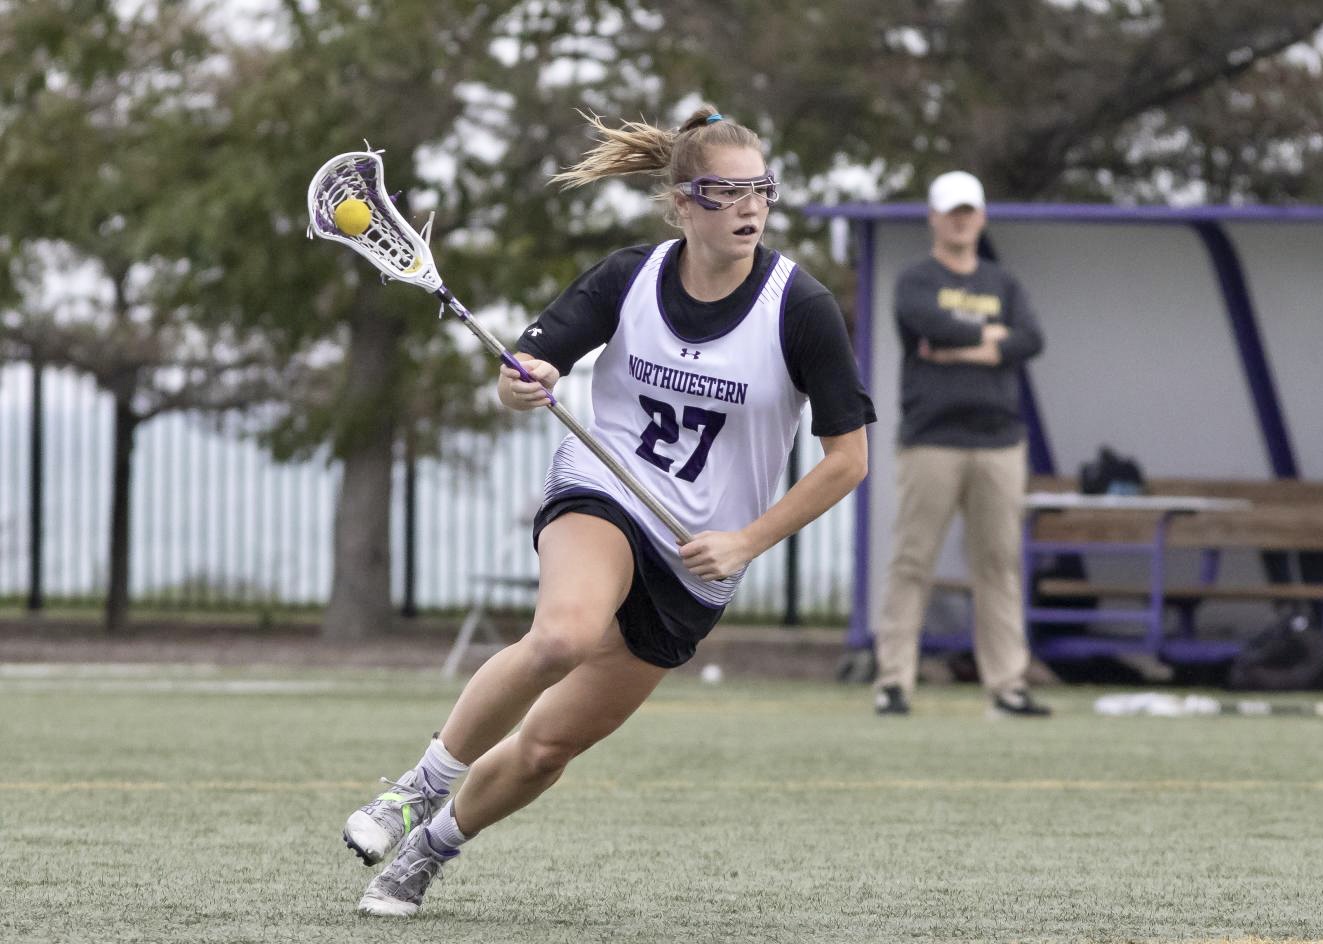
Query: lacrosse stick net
{"points": [[389, 242], [401, 253]]}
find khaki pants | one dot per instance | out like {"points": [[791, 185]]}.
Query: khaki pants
{"points": [[987, 487]]}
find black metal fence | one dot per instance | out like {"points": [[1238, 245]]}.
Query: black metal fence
{"points": [[215, 522]]}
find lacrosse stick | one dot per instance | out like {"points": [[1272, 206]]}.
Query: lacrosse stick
{"points": [[348, 203]]}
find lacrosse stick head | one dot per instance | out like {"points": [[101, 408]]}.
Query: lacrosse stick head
{"points": [[387, 241]]}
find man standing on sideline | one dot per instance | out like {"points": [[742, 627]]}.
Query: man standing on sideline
{"points": [[965, 328]]}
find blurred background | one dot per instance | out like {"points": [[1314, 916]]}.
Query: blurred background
{"points": [[203, 411]]}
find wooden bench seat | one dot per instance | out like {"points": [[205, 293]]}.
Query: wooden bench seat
{"points": [[1268, 491], [1055, 587], [1286, 516], [1282, 517], [951, 585]]}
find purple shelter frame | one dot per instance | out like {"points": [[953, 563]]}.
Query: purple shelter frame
{"points": [[1206, 221]]}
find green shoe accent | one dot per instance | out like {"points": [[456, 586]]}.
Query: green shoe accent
{"points": [[372, 831], [404, 808]]}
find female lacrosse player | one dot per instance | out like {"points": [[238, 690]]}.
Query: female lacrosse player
{"points": [[712, 345]]}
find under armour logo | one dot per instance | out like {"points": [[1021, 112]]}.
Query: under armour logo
{"points": [[535, 331], [685, 352]]}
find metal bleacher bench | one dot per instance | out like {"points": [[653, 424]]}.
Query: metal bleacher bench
{"points": [[486, 586], [479, 618], [1207, 516]]}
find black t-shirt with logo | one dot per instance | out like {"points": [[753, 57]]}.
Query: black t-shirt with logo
{"points": [[966, 406]]}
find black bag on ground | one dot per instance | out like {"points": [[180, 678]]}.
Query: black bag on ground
{"points": [[1287, 656], [1111, 474]]}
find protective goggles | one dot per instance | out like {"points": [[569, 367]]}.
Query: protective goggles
{"points": [[719, 193]]}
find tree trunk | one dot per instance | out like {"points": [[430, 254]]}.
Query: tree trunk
{"points": [[117, 589], [360, 603]]}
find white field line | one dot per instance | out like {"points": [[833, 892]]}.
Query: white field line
{"points": [[201, 678], [134, 670], [191, 686], [44, 670], [573, 783]]}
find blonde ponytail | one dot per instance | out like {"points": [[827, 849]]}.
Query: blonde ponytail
{"points": [[639, 148]]}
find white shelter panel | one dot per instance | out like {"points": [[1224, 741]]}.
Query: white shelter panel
{"points": [[1285, 283], [1140, 353]]}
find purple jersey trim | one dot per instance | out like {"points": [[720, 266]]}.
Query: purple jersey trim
{"points": [[629, 287], [781, 327]]}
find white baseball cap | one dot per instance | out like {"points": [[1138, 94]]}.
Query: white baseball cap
{"points": [[955, 189]]}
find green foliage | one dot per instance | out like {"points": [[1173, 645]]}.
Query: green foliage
{"points": [[98, 125], [420, 80], [1044, 100]]}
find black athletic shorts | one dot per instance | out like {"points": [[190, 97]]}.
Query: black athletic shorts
{"points": [[662, 624]]}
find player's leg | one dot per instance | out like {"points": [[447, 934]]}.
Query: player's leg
{"points": [[586, 567], [570, 717], [993, 511], [928, 486], [593, 700]]}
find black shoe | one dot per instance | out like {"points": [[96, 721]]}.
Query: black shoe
{"points": [[1017, 704], [891, 701]]}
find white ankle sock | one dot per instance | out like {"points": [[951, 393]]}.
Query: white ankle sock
{"points": [[443, 831], [439, 766]]}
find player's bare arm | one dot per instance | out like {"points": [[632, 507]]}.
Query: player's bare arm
{"points": [[712, 555]]}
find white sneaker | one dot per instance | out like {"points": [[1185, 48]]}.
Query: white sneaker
{"points": [[398, 889], [372, 831]]}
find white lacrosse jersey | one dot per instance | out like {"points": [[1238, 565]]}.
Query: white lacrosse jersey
{"points": [[706, 426]]}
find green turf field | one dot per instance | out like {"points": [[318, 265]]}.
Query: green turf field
{"points": [[189, 804]]}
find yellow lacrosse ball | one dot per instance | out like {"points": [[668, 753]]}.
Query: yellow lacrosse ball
{"points": [[353, 217]]}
